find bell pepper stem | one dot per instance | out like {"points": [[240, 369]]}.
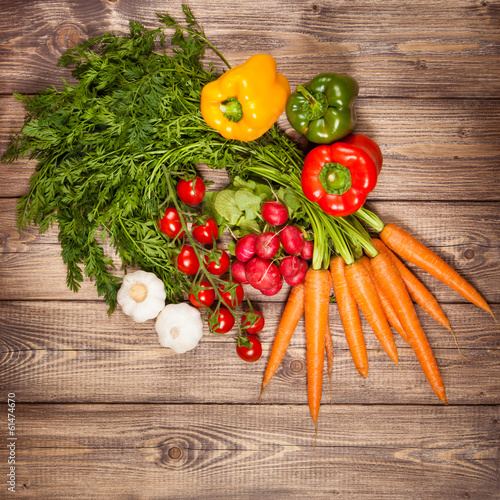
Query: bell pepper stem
{"points": [[307, 94], [231, 109], [335, 178], [317, 101]]}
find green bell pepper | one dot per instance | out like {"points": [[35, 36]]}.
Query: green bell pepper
{"points": [[323, 109]]}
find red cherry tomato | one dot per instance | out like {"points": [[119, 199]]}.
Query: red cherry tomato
{"points": [[253, 324], [223, 322], [186, 261], [170, 224], [191, 192], [253, 353], [205, 295], [206, 233], [219, 264], [237, 295]]}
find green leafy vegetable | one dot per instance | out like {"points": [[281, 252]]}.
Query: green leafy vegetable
{"points": [[101, 147], [109, 149], [225, 204], [248, 202]]}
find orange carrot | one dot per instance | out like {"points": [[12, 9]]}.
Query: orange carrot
{"points": [[406, 246], [394, 287], [390, 313], [318, 285], [417, 290], [292, 313], [329, 355], [349, 314], [365, 294]]}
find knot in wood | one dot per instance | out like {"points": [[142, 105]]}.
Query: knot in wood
{"points": [[296, 366], [469, 253], [421, 65], [174, 453], [65, 36]]}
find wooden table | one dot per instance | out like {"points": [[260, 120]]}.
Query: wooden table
{"points": [[102, 411]]}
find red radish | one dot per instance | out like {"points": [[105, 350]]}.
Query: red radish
{"points": [[274, 212], [238, 271], [299, 276], [289, 266], [262, 274], [245, 247], [307, 250], [275, 289], [292, 239], [266, 245]]}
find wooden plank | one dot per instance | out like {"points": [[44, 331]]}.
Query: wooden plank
{"points": [[439, 149], [237, 475], [464, 235], [392, 48], [110, 450], [19, 282], [80, 325], [210, 427], [157, 375]]}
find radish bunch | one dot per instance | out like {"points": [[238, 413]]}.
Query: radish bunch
{"points": [[259, 261]]}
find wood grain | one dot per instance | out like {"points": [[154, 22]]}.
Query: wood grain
{"points": [[440, 144], [209, 427], [449, 52], [157, 375], [63, 325], [467, 236], [102, 411], [272, 474], [180, 448]]}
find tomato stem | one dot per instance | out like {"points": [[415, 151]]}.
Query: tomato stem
{"points": [[212, 280]]}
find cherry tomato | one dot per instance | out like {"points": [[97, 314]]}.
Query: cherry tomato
{"points": [[224, 321], [206, 233], [255, 324], [237, 295], [170, 224], [219, 264], [205, 295], [253, 353], [187, 262], [191, 192]]}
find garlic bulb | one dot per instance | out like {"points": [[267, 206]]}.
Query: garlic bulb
{"points": [[142, 295], [180, 327]]}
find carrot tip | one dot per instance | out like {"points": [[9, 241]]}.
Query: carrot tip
{"points": [[458, 347], [494, 319], [442, 396], [260, 396], [315, 436]]}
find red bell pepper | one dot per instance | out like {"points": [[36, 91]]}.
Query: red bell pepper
{"points": [[340, 176]]}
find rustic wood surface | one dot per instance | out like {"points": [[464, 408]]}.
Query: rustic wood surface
{"points": [[103, 412]]}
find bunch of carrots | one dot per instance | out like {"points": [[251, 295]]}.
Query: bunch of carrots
{"points": [[384, 289]]}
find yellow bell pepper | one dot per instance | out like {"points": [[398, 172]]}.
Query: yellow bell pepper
{"points": [[246, 100]]}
